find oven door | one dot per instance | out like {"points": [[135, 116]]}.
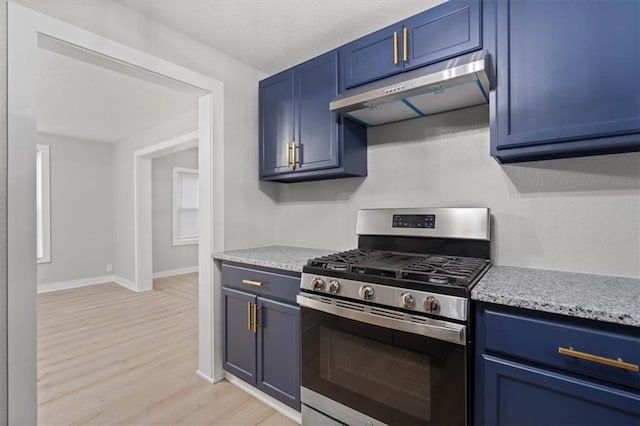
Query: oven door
{"points": [[365, 365]]}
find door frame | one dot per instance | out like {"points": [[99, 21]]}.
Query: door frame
{"points": [[142, 209], [28, 31]]}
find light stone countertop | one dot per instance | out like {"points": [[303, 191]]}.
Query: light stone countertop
{"points": [[596, 297], [278, 257]]}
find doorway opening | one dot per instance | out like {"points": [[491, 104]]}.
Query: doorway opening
{"points": [[145, 267], [28, 31]]}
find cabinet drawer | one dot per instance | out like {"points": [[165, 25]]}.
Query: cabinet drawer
{"points": [[272, 284], [538, 339]]}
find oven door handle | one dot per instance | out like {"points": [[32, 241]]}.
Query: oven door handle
{"points": [[441, 330]]}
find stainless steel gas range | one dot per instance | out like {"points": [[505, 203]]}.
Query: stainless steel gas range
{"points": [[386, 327]]}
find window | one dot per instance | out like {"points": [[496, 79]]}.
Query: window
{"points": [[185, 206], [43, 205]]}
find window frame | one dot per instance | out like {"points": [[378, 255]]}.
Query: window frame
{"points": [[43, 174], [176, 192]]}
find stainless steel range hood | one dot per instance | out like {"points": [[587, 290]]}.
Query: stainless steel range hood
{"points": [[457, 83]]}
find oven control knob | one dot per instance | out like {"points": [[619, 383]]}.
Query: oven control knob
{"points": [[317, 284], [366, 292], [407, 300], [431, 304], [334, 287]]}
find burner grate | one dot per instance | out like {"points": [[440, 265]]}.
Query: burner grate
{"points": [[450, 270], [342, 261], [435, 269]]}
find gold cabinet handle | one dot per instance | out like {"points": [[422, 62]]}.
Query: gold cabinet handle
{"points": [[249, 326], [395, 48], [405, 44], [252, 282], [618, 363], [255, 318], [294, 159], [291, 154], [288, 155]]}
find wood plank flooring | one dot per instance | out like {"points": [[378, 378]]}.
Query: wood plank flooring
{"points": [[109, 356]]}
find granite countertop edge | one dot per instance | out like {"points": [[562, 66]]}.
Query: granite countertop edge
{"points": [[596, 297], [286, 258]]}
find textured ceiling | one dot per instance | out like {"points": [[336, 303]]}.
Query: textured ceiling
{"points": [[85, 101], [271, 35]]}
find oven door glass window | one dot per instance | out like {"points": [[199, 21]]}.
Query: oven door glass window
{"points": [[394, 377]]}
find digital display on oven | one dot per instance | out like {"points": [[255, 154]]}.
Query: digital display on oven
{"points": [[427, 221]]}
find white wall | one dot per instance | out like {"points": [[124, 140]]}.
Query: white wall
{"points": [[81, 209], [123, 201], [3, 214], [166, 256], [249, 204], [578, 214]]}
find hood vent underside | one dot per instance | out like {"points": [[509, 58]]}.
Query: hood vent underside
{"points": [[457, 83]]}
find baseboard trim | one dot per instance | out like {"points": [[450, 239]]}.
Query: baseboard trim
{"points": [[128, 284], [205, 377], [172, 272], [66, 285], [105, 279], [280, 407]]}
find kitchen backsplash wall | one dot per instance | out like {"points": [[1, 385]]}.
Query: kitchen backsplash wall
{"points": [[576, 214]]}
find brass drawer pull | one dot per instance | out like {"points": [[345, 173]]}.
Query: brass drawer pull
{"points": [[294, 159], [255, 318], [618, 363], [405, 42], [252, 282], [395, 48], [291, 154], [249, 326], [289, 162]]}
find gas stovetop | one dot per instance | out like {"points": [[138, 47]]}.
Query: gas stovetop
{"points": [[436, 274], [421, 261], [435, 269]]}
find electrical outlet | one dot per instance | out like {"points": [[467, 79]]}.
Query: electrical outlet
{"points": [[109, 267]]}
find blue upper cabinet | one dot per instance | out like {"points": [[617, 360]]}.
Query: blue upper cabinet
{"points": [[276, 123], [300, 139], [567, 77], [439, 33], [316, 84], [448, 30], [371, 57]]}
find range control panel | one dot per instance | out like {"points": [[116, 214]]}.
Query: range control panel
{"points": [[414, 221]]}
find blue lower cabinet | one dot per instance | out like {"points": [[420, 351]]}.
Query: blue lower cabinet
{"points": [[262, 330], [567, 77], [239, 338], [279, 351], [517, 394], [538, 369]]}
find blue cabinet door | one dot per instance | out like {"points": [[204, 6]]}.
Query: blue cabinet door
{"points": [[445, 31], [239, 338], [567, 78], [276, 123], [326, 146], [371, 57], [279, 351], [516, 394], [316, 84]]}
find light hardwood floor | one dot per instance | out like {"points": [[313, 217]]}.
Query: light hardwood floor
{"points": [[107, 355]]}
